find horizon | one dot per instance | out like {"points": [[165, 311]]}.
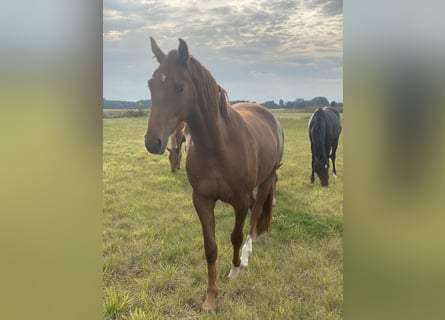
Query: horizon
{"points": [[231, 100]]}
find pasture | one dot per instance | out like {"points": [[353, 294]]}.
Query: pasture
{"points": [[154, 263]]}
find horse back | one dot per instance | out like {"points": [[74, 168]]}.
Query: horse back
{"points": [[333, 122]]}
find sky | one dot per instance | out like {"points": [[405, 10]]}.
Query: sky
{"points": [[257, 50]]}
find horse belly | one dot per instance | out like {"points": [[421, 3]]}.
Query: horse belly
{"points": [[217, 189]]}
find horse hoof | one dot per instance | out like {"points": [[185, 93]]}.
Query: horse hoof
{"points": [[208, 307], [234, 272]]}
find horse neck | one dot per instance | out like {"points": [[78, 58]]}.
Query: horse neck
{"points": [[207, 130], [208, 121], [319, 135]]}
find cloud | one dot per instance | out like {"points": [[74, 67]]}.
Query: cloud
{"points": [[329, 8], [260, 74], [113, 35], [296, 36]]}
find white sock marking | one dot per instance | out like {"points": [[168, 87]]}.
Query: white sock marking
{"points": [[234, 272], [247, 249]]}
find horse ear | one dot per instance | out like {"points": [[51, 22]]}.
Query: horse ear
{"points": [[183, 53], [157, 52]]}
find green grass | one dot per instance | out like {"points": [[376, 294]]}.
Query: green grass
{"points": [[154, 263]]}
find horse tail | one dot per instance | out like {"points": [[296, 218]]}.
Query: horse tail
{"points": [[265, 219]]}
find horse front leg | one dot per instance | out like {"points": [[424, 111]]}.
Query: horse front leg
{"points": [[313, 171], [333, 156], [237, 238], [205, 209], [312, 161]]}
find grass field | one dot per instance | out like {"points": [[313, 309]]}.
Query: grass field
{"points": [[154, 263]]}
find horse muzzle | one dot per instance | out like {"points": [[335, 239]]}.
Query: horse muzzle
{"points": [[156, 137], [154, 145]]}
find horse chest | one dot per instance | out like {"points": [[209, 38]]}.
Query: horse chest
{"points": [[214, 183], [216, 189]]}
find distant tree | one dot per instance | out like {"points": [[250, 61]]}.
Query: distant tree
{"points": [[281, 103], [289, 104], [333, 103], [320, 101], [270, 104], [300, 103]]}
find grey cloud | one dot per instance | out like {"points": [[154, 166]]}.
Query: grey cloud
{"points": [[328, 7], [222, 11], [263, 38]]}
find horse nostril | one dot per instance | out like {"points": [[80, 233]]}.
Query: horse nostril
{"points": [[158, 143]]}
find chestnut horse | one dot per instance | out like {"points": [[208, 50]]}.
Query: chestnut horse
{"points": [[175, 153], [233, 150], [324, 131]]}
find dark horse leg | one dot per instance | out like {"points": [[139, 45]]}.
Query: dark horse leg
{"points": [[333, 156], [312, 163], [204, 207]]}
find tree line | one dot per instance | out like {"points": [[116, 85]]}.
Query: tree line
{"points": [[118, 104], [302, 104]]}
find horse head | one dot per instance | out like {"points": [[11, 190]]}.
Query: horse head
{"points": [[172, 95], [321, 168], [174, 156]]}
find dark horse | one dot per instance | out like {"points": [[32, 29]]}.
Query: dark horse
{"points": [[324, 130], [175, 153], [233, 150]]}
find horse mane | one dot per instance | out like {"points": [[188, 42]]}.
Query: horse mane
{"points": [[318, 132], [210, 94]]}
